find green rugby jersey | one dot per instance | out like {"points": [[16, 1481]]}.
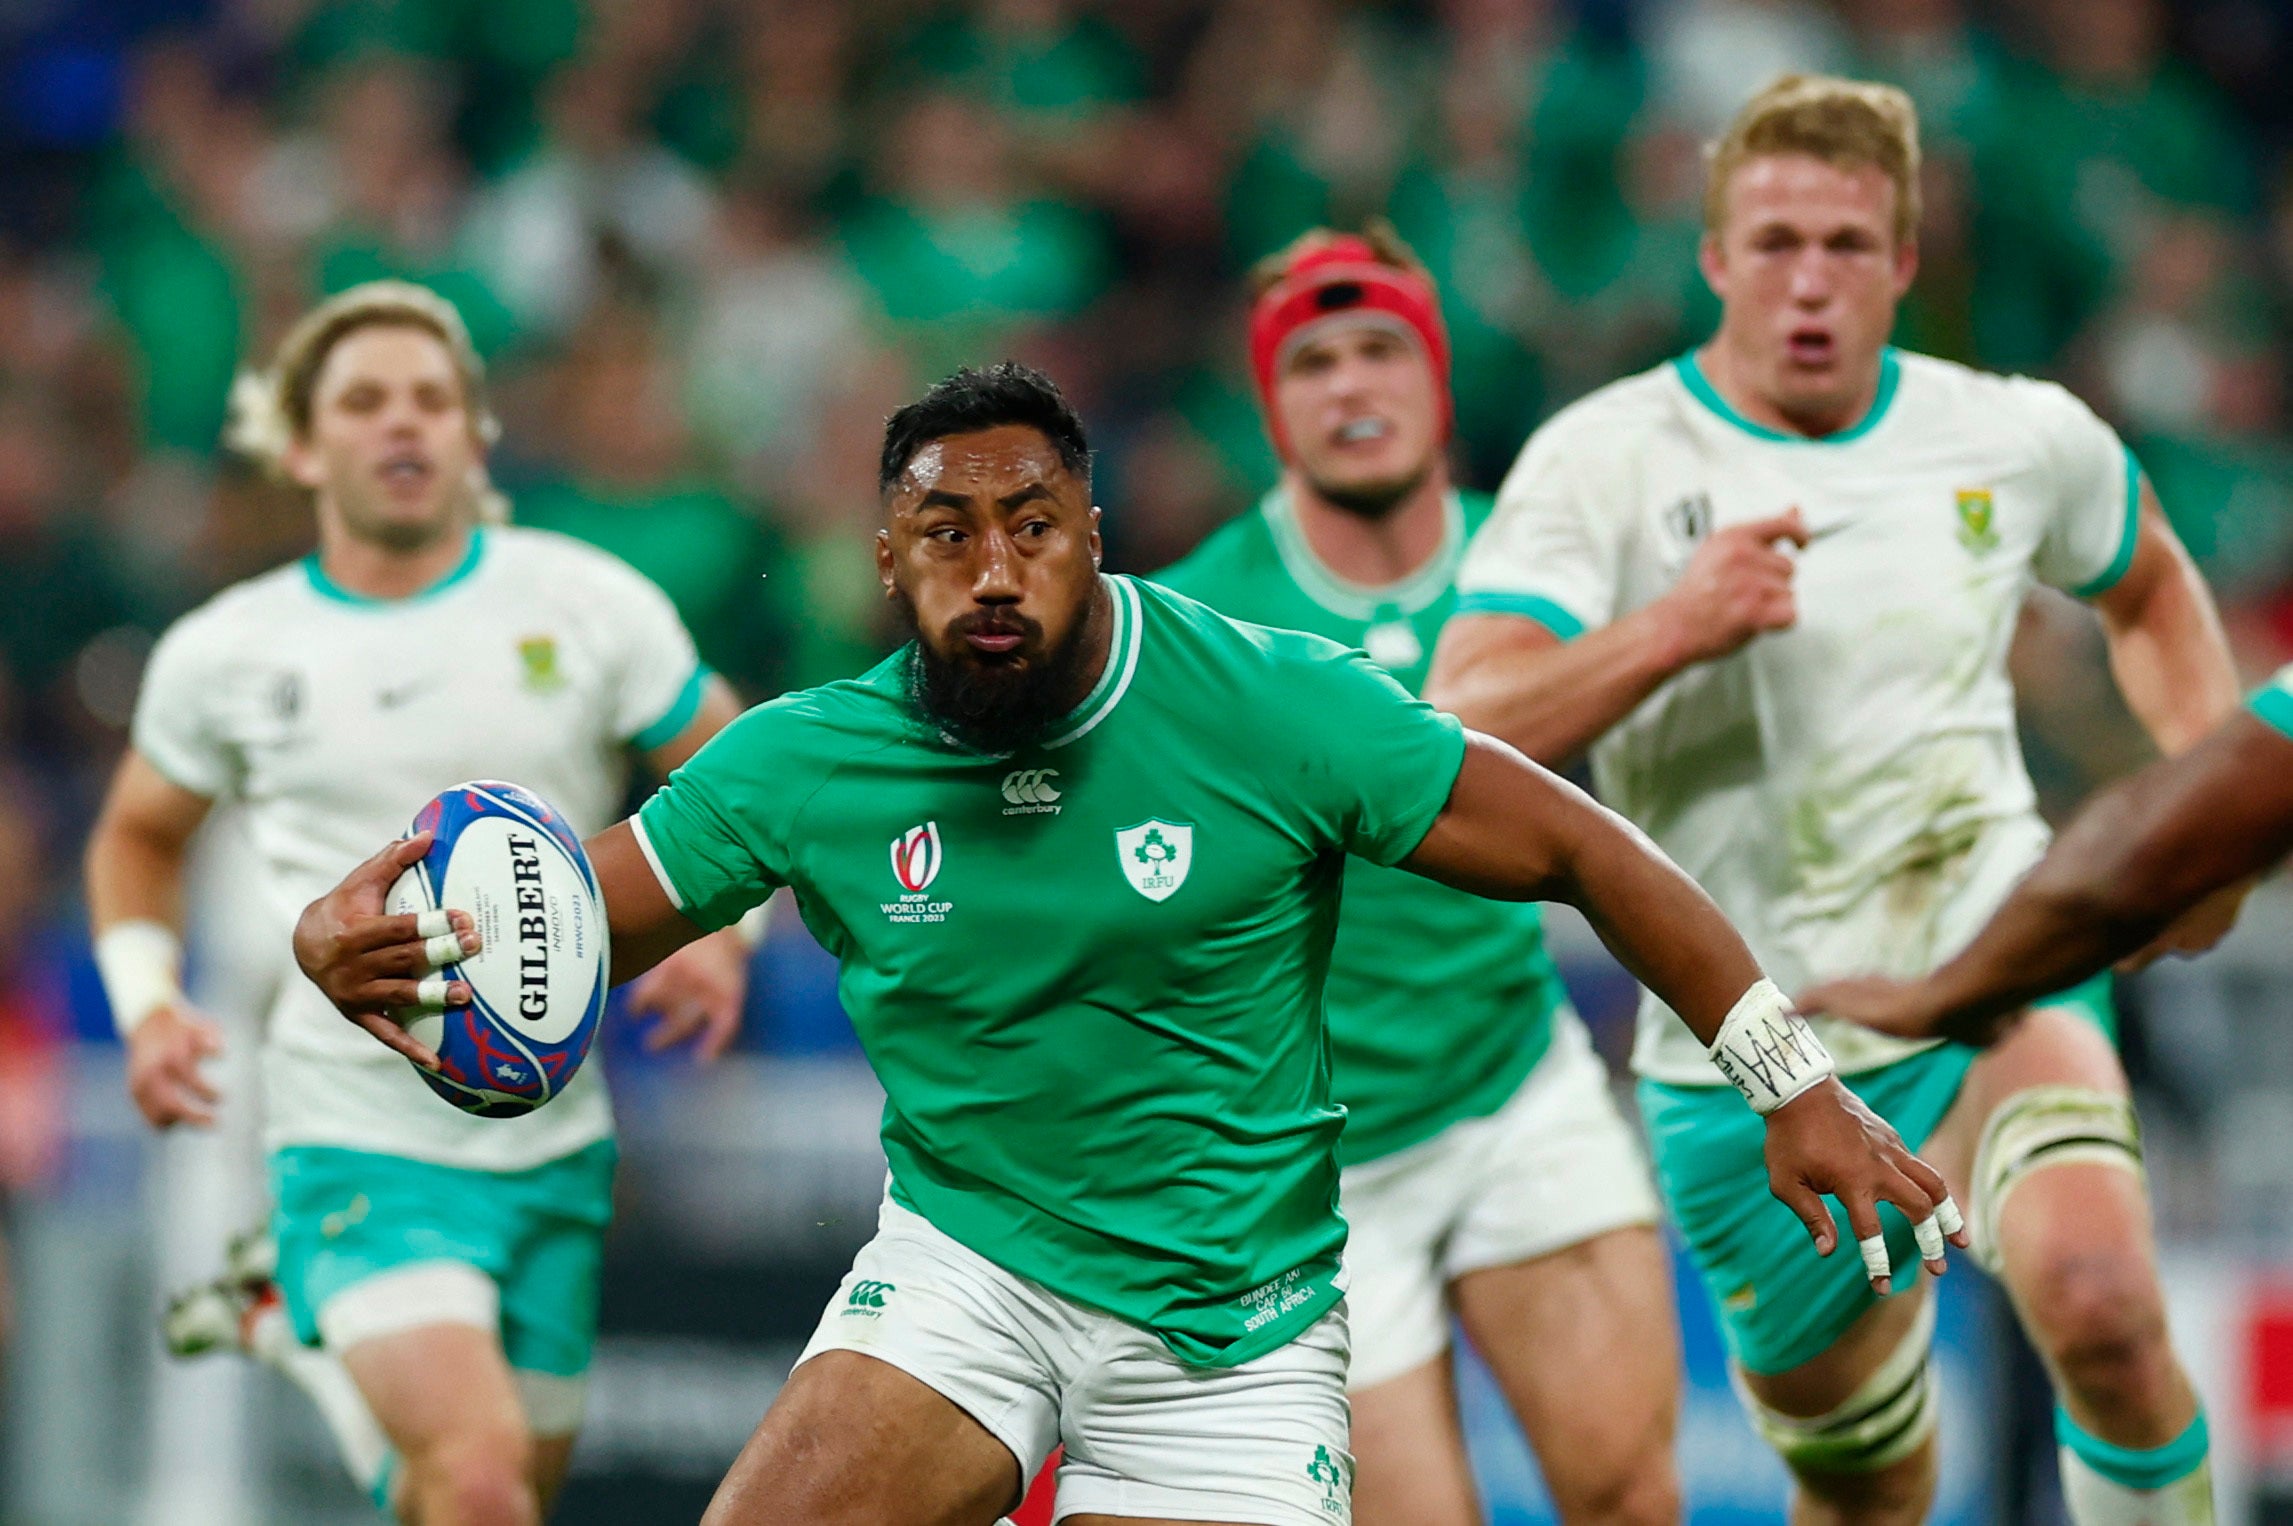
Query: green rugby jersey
{"points": [[1440, 1003], [1089, 975]]}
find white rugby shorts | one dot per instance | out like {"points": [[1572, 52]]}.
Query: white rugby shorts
{"points": [[1555, 1166], [1146, 1435]]}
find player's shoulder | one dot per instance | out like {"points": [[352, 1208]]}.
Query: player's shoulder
{"points": [[831, 720], [1621, 411], [2003, 400], [1219, 647], [249, 612], [551, 559], [1240, 549]]}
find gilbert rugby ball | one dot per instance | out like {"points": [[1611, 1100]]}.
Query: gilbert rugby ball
{"points": [[510, 860]]}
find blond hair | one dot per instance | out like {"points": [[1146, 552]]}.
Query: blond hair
{"points": [[1385, 244], [1847, 123], [271, 408]]}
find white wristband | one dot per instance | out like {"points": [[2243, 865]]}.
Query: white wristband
{"points": [[141, 963], [750, 929], [1768, 1050]]}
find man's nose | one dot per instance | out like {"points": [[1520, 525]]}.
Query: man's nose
{"points": [[996, 577], [1811, 284]]}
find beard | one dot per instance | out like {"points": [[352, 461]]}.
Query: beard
{"points": [[1372, 500], [998, 704]]}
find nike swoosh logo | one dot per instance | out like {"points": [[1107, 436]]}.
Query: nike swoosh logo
{"points": [[391, 699]]}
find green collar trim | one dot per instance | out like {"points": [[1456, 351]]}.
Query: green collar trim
{"points": [[1699, 387], [1349, 600], [327, 588], [1122, 663]]}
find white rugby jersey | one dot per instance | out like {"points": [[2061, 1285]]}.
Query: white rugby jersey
{"points": [[333, 717], [1851, 791]]}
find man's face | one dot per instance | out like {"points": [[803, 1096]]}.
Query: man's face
{"points": [[391, 444], [992, 549], [1808, 271], [1362, 412]]}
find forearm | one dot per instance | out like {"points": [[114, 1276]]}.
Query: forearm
{"points": [[1556, 700], [133, 876], [2138, 855]]}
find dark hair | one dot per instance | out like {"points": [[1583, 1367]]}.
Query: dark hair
{"points": [[972, 400]]}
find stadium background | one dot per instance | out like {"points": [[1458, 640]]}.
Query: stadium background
{"points": [[708, 244]]}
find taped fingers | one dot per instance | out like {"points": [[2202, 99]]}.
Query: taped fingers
{"points": [[1876, 1266], [1947, 1214], [1929, 1234], [430, 992]]}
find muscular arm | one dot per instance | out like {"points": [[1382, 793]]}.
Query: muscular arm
{"points": [[2141, 853], [1510, 677], [2167, 651], [136, 853], [1514, 832], [1513, 678]]}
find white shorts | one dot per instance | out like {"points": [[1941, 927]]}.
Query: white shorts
{"points": [[1555, 1166], [1146, 1435]]}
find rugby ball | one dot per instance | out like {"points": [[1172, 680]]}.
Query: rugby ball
{"points": [[539, 979]]}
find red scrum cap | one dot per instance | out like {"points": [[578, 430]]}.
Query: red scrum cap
{"points": [[1343, 277]]}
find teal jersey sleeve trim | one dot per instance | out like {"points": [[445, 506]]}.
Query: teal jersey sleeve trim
{"points": [[2126, 539], [327, 588], [1528, 606], [2274, 706], [677, 717], [2148, 1469], [1700, 387]]}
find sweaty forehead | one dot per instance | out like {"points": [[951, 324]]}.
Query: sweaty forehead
{"points": [[988, 463]]}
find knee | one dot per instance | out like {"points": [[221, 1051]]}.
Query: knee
{"points": [[2099, 1315], [1646, 1494], [475, 1482], [1898, 1493]]}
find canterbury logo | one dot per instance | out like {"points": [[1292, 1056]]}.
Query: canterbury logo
{"points": [[869, 1295], [1031, 786]]}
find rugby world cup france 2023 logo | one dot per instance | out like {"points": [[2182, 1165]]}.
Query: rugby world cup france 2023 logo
{"points": [[916, 859]]}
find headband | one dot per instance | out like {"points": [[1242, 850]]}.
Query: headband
{"points": [[1341, 277]]}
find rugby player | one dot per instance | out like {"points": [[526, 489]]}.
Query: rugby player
{"points": [[1772, 585], [444, 1265], [1078, 849], [1487, 1172], [2157, 863]]}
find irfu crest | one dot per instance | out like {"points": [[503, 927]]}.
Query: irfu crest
{"points": [[1155, 856]]}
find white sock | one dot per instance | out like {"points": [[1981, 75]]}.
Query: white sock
{"points": [[2097, 1501], [366, 1451]]}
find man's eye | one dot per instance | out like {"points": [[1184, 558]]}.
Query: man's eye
{"points": [[1037, 528], [946, 535]]}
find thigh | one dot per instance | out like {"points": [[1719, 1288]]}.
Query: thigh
{"points": [[1410, 1462], [1780, 1304], [1583, 1342], [2053, 1045], [550, 1285], [344, 1218], [1263, 1443], [438, 1385], [854, 1441], [1399, 1212], [1556, 1167]]}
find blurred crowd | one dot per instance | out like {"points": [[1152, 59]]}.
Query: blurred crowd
{"points": [[706, 245]]}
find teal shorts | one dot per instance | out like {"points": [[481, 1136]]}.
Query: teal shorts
{"points": [[1780, 1304], [346, 1215]]}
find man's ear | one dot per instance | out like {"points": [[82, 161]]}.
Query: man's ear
{"points": [[1098, 545], [884, 563]]}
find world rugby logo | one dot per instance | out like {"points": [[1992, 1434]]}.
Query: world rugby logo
{"points": [[916, 857]]}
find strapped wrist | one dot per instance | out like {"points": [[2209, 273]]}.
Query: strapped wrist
{"points": [[1768, 1051], [140, 962]]}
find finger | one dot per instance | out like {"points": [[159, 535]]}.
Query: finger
{"points": [[447, 948], [185, 1077], [1790, 525], [674, 1026], [1954, 1225], [1808, 1205], [182, 1102], [434, 923], [1929, 1234], [381, 998], [363, 935], [723, 1028], [1927, 1180], [206, 1038], [1870, 1239], [395, 1037]]}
